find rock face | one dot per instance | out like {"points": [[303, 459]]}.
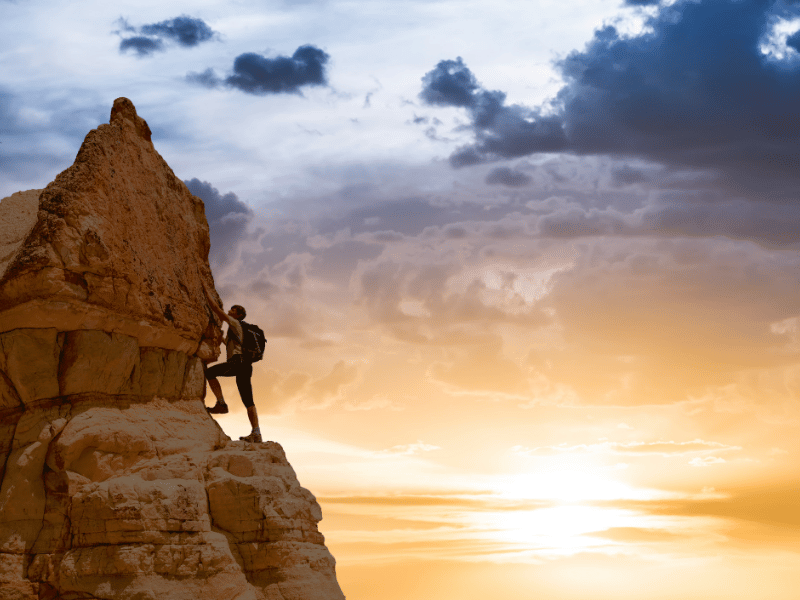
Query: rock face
{"points": [[116, 483], [119, 244], [17, 217]]}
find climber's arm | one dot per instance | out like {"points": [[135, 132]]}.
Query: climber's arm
{"points": [[217, 310]]}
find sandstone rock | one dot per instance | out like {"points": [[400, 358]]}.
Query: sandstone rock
{"points": [[96, 361], [119, 245], [17, 217], [116, 483], [29, 358], [152, 499]]}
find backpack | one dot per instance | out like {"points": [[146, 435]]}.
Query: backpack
{"points": [[253, 343]]}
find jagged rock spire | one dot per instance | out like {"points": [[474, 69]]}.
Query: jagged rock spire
{"points": [[119, 244]]}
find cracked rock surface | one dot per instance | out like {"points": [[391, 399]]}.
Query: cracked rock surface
{"points": [[116, 483], [118, 243]]}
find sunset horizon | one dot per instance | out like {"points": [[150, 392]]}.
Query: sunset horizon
{"points": [[528, 272]]}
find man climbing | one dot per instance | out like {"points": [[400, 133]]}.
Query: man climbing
{"points": [[236, 365]]}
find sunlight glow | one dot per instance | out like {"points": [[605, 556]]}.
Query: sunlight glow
{"points": [[571, 485]]}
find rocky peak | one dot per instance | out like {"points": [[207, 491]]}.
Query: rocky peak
{"points": [[124, 109], [119, 244], [116, 483]]}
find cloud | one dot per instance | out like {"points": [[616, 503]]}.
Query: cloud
{"points": [[665, 205], [329, 388], [770, 224], [772, 505], [436, 498], [409, 217], [61, 114], [694, 88], [624, 304], [227, 216], [185, 31], [660, 448], [300, 390], [634, 535], [451, 83], [207, 78], [627, 175], [409, 449], [450, 304], [340, 260], [143, 46], [502, 131], [634, 310], [625, 291], [41, 133], [259, 75], [507, 177]]}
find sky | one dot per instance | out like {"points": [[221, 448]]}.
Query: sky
{"points": [[528, 270]]}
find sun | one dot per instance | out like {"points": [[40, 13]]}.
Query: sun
{"points": [[555, 511], [565, 479]]}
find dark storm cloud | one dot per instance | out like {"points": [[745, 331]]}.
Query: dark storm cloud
{"points": [[507, 177], [143, 46], [259, 75], [502, 131], [451, 83], [186, 31], [695, 90], [227, 216]]}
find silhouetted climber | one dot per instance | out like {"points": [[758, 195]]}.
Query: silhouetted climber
{"points": [[236, 365]]}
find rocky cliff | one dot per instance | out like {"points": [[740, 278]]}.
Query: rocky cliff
{"points": [[116, 483]]}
